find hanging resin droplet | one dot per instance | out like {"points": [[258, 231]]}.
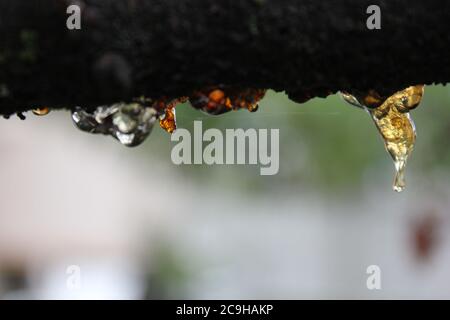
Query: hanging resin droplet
{"points": [[42, 111], [253, 107], [392, 118], [166, 112], [399, 134], [222, 99], [129, 123], [364, 100], [168, 120], [248, 99], [211, 101]]}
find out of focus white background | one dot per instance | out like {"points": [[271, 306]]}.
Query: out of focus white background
{"points": [[136, 226]]}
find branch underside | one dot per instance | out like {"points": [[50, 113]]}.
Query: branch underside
{"points": [[171, 48]]}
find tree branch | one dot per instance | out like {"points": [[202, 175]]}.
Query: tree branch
{"points": [[156, 48]]}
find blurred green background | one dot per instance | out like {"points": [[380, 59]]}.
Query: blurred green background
{"points": [[324, 143], [141, 227]]}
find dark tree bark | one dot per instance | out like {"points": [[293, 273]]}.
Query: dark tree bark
{"points": [[155, 48]]}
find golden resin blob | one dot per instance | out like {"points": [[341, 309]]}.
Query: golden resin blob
{"points": [[392, 118], [42, 111], [168, 121]]}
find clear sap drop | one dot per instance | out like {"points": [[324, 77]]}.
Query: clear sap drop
{"points": [[393, 121], [399, 179], [129, 123], [350, 99], [84, 120], [125, 139]]}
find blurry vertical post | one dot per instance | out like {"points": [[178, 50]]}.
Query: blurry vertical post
{"points": [[237, 146]]}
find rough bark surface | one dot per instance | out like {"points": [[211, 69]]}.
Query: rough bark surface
{"points": [[155, 48]]}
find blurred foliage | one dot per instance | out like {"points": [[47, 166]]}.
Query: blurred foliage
{"points": [[168, 275]]}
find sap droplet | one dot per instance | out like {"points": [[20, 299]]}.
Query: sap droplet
{"points": [[126, 139], [248, 99], [253, 107], [42, 111], [399, 134], [168, 120], [351, 99], [132, 123], [364, 100], [129, 123], [399, 179], [211, 101], [219, 100], [84, 120], [392, 118]]}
